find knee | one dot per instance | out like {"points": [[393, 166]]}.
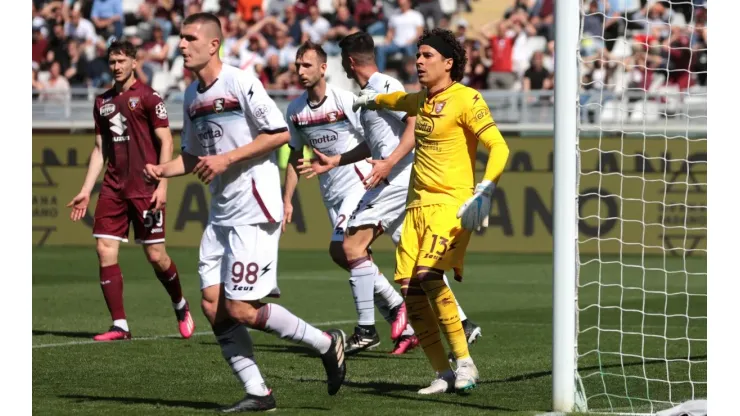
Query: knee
{"points": [[245, 313], [156, 254], [107, 252]]}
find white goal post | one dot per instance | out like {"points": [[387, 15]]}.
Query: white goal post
{"points": [[629, 303]]}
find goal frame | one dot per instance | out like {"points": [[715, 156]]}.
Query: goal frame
{"points": [[565, 206]]}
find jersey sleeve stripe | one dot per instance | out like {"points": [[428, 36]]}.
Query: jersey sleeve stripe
{"points": [[486, 127], [274, 131]]}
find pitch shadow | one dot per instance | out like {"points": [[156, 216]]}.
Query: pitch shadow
{"points": [[142, 400], [69, 334]]}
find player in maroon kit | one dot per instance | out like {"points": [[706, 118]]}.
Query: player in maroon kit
{"points": [[131, 130]]}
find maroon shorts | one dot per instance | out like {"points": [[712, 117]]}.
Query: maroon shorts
{"points": [[113, 216]]}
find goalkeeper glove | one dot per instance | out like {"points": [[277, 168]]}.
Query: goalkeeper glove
{"points": [[474, 212], [366, 100]]}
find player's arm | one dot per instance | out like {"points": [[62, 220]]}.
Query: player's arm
{"points": [[476, 118], [382, 168], [291, 181], [395, 101], [82, 199]]}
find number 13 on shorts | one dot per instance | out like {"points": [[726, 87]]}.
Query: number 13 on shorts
{"points": [[431, 237]]}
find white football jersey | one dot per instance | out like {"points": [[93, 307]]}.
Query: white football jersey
{"points": [[332, 128], [383, 129], [229, 114]]}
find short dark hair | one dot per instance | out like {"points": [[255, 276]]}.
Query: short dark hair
{"points": [[122, 46], [310, 46], [360, 46], [459, 56], [204, 17]]}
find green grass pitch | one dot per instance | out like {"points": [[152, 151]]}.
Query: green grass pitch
{"points": [[510, 296]]}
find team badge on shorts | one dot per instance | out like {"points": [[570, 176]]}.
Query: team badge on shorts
{"points": [[439, 106], [133, 102]]}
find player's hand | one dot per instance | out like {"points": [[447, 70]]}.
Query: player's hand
{"points": [[474, 212], [379, 173], [366, 100], [318, 165], [159, 198], [287, 214], [210, 166], [153, 173], [79, 206]]}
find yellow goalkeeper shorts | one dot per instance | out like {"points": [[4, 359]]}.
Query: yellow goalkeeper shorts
{"points": [[432, 236]]}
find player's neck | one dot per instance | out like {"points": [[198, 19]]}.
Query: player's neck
{"points": [[126, 84], [439, 87], [364, 73], [208, 74], [317, 92]]}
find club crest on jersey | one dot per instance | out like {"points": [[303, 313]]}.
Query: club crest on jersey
{"points": [[218, 105], [133, 102], [331, 116], [439, 107]]}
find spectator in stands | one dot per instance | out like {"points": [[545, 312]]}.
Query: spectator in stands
{"points": [[155, 52], [165, 13], [57, 47], [524, 5], [80, 29], [39, 47], [145, 24], [283, 49], [370, 16], [461, 30], [476, 72], [251, 58], [543, 18], [76, 72], [270, 73], [430, 9], [501, 48], [294, 25], [315, 27], [107, 15], [38, 21], [246, 9], [343, 25], [627, 14], [404, 30], [56, 88], [268, 27], [679, 59], [536, 77]]}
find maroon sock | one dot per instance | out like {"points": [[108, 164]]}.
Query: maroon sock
{"points": [[111, 281], [171, 282]]}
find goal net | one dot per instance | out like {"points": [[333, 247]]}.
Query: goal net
{"points": [[641, 272]]}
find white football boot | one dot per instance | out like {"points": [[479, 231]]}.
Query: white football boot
{"points": [[466, 375], [442, 384]]}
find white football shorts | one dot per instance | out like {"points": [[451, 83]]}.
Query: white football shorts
{"points": [[243, 258], [339, 214], [383, 206]]}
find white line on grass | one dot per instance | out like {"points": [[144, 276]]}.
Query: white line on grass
{"points": [[156, 337]]}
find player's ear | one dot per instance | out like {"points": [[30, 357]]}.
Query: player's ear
{"points": [[448, 64]]}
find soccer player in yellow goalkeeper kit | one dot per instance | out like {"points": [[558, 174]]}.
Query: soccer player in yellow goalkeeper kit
{"points": [[445, 204]]}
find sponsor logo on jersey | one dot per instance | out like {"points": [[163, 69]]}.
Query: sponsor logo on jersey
{"points": [[439, 107], [322, 139], [209, 133], [218, 105], [133, 102], [424, 126], [107, 109], [261, 111], [480, 114]]}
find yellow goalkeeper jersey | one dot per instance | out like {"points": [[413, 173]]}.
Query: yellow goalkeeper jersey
{"points": [[448, 127]]}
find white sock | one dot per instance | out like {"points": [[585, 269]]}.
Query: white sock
{"points": [[121, 323], [361, 280], [459, 308], [385, 291], [180, 304], [236, 347], [288, 326]]}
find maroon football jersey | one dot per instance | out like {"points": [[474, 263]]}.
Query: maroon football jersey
{"points": [[126, 121]]}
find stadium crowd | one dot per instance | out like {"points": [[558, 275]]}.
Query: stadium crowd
{"points": [[641, 44]]}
